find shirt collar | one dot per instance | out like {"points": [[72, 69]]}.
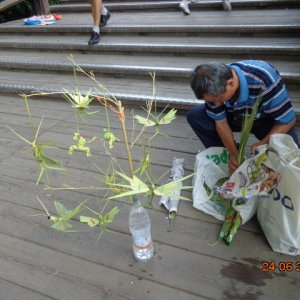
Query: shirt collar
{"points": [[243, 85]]}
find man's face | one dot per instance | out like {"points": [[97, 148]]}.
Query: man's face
{"points": [[219, 100]]}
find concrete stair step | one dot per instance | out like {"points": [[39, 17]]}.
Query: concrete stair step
{"points": [[121, 67], [159, 19], [133, 90], [283, 64], [192, 41], [150, 36], [173, 5], [106, 1], [249, 50], [280, 30]]}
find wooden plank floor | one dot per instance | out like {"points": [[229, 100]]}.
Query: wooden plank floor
{"points": [[39, 263]]}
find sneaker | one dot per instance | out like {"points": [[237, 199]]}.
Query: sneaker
{"points": [[227, 5], [104, 19], [184, 7], [95, 38]]}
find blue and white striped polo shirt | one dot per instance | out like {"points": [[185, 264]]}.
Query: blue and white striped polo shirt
{"points": [[257, 77]]}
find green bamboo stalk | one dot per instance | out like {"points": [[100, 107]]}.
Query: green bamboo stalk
{"points": [[233, 219], [227, 224], [235, 224], [246, 129]]}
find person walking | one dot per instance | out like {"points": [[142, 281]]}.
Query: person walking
{"points": [[229, 91], [184, 6], [100, 17]]}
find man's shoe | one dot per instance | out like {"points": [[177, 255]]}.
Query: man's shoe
{"points": [[95, 38], [227, 5], [104, 19], [184, 7]]}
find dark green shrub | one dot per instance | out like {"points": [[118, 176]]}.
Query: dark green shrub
{"points": [[22, 10]]}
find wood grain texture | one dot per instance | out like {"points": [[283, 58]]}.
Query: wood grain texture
{"points": [[188, 263]]}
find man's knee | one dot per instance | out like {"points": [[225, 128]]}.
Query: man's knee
{"points": [[195, 114]]}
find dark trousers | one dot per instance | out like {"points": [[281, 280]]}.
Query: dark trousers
{"points": [[205, 129]]}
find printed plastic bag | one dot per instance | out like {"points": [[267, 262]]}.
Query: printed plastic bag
{"points": [[211, 170], [255, 176], [279, 214]]}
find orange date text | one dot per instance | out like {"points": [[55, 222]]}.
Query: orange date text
{"points": [[282, 266]]}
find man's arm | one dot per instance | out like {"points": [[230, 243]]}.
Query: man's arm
{"points": [[226, 135], [277, 105], [277, 128]]}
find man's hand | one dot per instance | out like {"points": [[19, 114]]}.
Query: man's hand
{"points": [[226, 135], [233, 164], [256, 145]]}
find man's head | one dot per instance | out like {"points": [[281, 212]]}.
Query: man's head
{"points": [[214, 82]]}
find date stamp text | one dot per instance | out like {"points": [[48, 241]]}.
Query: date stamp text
{"points": [[282, 266]]}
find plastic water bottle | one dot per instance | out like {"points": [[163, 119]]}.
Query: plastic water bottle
{"points": [[140, 228]]}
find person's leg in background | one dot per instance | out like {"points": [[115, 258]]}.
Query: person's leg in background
{"points": [[100, 17], [227, 5], [184, 7]]}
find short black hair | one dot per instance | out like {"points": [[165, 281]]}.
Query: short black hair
{"points": [[210, 78]]}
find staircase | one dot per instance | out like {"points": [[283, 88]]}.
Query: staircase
{"points": [[149, 36]]}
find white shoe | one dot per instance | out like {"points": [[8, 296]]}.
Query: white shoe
{"points": [[184, 7], [227, 5]]}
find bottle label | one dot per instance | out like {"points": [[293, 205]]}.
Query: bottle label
{"points": [[142, 239]]}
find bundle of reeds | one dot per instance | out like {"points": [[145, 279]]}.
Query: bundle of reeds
{"points": [[233, 219]]}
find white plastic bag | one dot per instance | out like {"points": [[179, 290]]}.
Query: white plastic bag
{"points": [[212, 165], [279, 214], [209, 168]]}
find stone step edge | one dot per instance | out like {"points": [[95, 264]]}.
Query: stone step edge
{"points": [[158, 48], [289, 77], [130, 99], [107, 1], [279, 28], [174, 5]]}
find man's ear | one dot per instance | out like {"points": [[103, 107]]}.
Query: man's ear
{"points": [[230, 82]]}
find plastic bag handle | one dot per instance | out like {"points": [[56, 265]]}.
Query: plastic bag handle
{"points": [[282, 158], [292, 163]]}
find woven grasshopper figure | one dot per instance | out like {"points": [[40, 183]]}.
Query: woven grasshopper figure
{"points": [[101, 220], [80, 144], [110, 138], [61, 221], [145, 163], [79, 102], [45, 162], [137, 186], [157, 121]]}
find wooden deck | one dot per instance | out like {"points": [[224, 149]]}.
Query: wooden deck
{"points": [[39, 263]]}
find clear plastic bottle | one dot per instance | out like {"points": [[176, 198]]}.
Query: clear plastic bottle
{"points": [[140, 228]]}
